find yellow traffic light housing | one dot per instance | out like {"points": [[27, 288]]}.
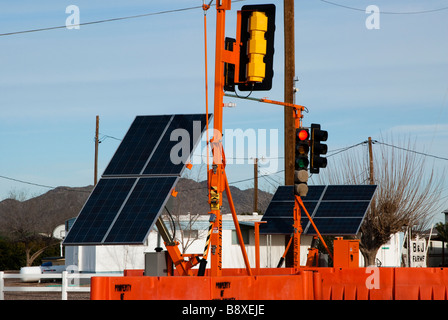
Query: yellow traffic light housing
{"points": [[256, 30], [258, 25]]}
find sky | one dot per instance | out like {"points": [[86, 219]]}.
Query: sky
{"points": [[359, 75]]}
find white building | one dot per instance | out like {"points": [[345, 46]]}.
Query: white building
{"points": [[116, 258]]}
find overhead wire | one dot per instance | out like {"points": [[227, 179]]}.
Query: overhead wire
{"points": [[242, 180], [413, 151], [106, 20], [105, 136], [385, 12], [337, 151], [101, 21], [40, 185]]}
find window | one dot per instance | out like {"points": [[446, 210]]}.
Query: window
{"points": [[193, 234], [244, 233]]}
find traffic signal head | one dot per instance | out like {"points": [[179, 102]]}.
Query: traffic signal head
{"points": [[229, 69], [302, 148], [317, 148], [257, 47]]}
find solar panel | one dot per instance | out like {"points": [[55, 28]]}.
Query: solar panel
{"points": [[137, 145], [188, 127], [335, 209], [137, 182], [141, 210], [100, 210], [335, 226]]}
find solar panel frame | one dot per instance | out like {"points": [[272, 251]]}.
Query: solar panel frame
{"points": [[335, 209], [91, 224], [155, 164], [343, 225], [145, 194], [138, 145], [141, 210], [349, 192]]}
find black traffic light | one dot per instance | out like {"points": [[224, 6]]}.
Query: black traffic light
{"points": [[229, 69], [302, 148], [317, 148], [257, 47]]}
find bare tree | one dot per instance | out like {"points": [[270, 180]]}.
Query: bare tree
{"points": [[183, 225], [406, 195], [27, 223], [187, 233]]}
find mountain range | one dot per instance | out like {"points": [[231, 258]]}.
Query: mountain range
{"points": [[44, 212]]}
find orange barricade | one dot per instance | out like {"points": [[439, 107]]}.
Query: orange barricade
{"points": [[262, 287], [281, 284], [356, 283], [421, 283]]}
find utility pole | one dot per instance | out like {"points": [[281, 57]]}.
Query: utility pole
{"points": [[289, 136], [289, 124], [96, 151], [371, 161], [255, 184]]}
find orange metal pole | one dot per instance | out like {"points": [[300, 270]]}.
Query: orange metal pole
{"points": [[237, 227], [205, 8], [216, 179], [297, 232], [279, 265], [299, 200], [257, 245], [219, 69]]}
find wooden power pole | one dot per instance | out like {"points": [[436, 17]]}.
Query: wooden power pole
{"points": [[96, 151], [289, 133], [255, 184], [371, 162]]}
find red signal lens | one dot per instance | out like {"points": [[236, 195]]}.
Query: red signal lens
{"points": [[303, 135]]}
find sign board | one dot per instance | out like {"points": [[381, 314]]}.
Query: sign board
{"points": [[418, 253]]}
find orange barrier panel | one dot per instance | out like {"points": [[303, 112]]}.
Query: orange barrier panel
{"points": [[281, 284], [183, 288], [150, 288], [356, 283], [421, 283], [268, 287]]}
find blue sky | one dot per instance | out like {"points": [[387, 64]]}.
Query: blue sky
{"points": [[354, 81]]}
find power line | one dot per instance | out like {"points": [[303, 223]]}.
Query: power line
{"points": [[248, 179], [336, 151], [385, 12], [234, 182], [106, 20], [27, 182], [101, 21], [105, 136], [39, 185], [409, 150], [344, 149]]}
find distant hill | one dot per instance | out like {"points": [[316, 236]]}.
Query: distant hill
{"points": [[45, 212], [56, 206], [193, 197]]}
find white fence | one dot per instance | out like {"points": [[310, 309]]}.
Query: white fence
{"points": [[70, 282]]}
